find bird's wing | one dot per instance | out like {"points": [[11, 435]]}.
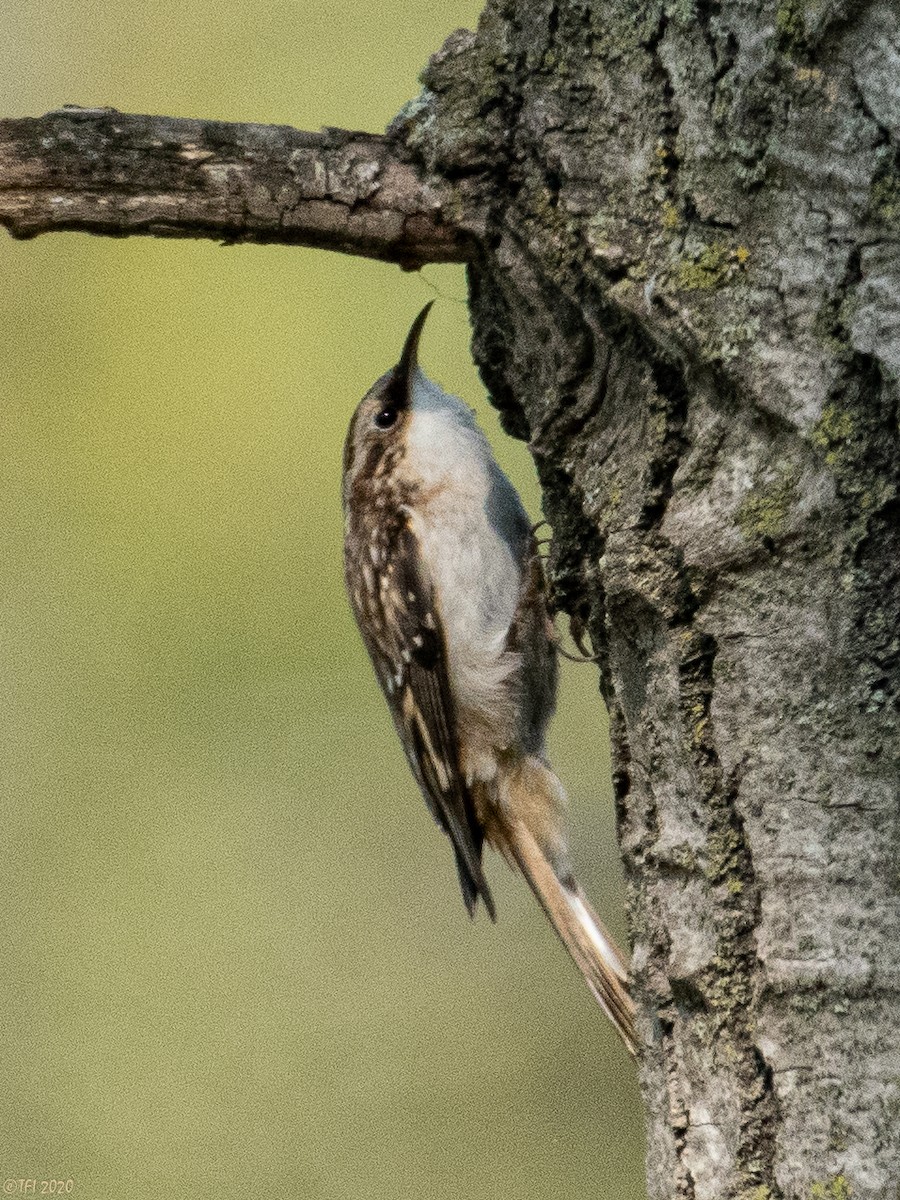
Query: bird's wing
{"points": [[394, 603]]}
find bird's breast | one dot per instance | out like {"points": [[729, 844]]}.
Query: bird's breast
{"points": [[477, 580]]}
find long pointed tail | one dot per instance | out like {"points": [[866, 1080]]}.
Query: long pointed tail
{"points": [[581, 931], [531, 801]]}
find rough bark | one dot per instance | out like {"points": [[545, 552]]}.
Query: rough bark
{"points": [[683, 223], [687, 300], [106, 172]]}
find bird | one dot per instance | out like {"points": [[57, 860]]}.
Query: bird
{"points": [[448, 590]]}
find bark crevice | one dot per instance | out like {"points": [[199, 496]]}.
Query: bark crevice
{"points": [[674, 197], [683, 237]]}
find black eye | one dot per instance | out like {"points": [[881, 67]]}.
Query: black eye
{"points": [[386, 418]]}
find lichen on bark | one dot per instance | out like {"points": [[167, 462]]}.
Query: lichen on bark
{"points": [[682, 225], [685, 299]]}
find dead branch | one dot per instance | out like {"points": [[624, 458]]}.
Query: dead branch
{"points": [[116, 174]]}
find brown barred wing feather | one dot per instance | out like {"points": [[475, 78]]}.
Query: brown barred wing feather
{"points": [[393, 601]]}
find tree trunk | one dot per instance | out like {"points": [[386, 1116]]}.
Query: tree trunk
{"points": [[687, 301], [683, 226]]}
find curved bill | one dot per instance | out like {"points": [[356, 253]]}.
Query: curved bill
{"points": [[409, 358]]}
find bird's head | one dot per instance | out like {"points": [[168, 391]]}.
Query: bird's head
{"points": [[381, 421]]}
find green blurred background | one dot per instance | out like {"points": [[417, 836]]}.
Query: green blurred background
{"points": [[235, 958]]}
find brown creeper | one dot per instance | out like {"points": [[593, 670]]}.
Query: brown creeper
{"points": [[447, 588]]}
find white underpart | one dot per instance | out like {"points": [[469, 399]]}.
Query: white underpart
{"points": [[472, 532]]}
